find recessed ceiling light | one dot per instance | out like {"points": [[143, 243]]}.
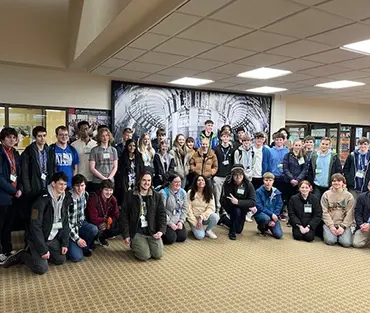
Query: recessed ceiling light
{"points": [[264, 73], [266, 89], [189, 81], [340, 84], [362, 47]]}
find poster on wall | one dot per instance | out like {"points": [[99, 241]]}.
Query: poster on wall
{"points": [[94, 117], [146, 108]]}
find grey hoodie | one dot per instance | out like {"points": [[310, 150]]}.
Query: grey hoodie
{"points": [[57, 206]]}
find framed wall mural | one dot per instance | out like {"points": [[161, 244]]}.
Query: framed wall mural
{"points": [[145, 108]]}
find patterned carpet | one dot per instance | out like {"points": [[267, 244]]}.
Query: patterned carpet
{"points": [[251, 274]]}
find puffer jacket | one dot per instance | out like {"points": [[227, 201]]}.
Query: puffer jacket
{"points": [[206, 166]]}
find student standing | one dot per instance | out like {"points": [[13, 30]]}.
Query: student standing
{"points": [[126, 135], [244, 155], [164, 165], [179, 153], [204, 161], [147, 152], [308, 147], [208, 134]]}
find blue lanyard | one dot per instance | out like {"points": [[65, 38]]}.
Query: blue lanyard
{"points": [[42, 156]]}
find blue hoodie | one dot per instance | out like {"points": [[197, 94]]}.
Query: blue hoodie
{"points": [[277, 157], [269, 204]]}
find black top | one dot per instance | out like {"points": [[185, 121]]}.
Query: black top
{"points": [[297, 213]]}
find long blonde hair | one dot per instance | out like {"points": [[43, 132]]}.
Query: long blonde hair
{"points": [[144, 149], [301, 152], [100, 133]]}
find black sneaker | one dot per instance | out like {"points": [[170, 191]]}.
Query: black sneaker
{"points": [[232, 236], [103, 242], [87, 253], [15, 258]]}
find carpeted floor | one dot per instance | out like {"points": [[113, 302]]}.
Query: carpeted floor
{"points": [[252, 274]]}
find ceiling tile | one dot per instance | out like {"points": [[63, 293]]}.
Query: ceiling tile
{"points": [[160, 58], [128, 74], [237, 80], [148, 41], [344, 35], [102, 70], [288, 85], [252, 13], [309, 2], [213, 32], [143, 67], [129, 53], [226, 54], [202, 7], [200, 64], [324, 70], [332, 56], [158, 78], [260, 41], [218, 85], [356, 10], [314, 81], [300, 48], [232, 69], [308, 23], [178, 71], [114, 63], [241, 87], [212, 76], [295, 77], [262, 59], [357, 64], [184, 47], [297, 65], [174, 23]]}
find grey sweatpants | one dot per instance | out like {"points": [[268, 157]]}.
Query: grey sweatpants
{"points": [[146, 247]]}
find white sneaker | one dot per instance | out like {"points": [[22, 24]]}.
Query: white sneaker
{"points": [[211, 234], [248, 217], [3, 258]]}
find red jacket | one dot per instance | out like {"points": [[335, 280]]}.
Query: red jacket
{"points": [[99, 210]]}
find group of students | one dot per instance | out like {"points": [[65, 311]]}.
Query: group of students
{"points": [[74, 196]]}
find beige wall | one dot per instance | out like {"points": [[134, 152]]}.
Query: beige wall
{"points": [[25, 85], [316, 110]]}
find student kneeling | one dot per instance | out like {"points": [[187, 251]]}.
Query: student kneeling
{"points": [[144, 220], [304, 213], [269, 205], [48, 232]]}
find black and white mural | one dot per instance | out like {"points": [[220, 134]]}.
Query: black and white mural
{"points": [[145, 108]]}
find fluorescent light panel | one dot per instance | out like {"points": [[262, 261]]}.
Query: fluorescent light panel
{"points": [[266, 89], [189, 81], [340, 84], [264, 73], [362, 47]]}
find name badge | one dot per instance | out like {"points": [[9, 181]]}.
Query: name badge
{"points": [[106, 155], [281, 165], [307, 208], [226, 162], [58, 225], [318, 171], [240, 191], [13, 178], [87, 150], [144, 222], [301, 161], [43, 176], [360, 174]]}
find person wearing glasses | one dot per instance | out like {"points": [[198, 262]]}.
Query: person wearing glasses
{"points": [[62, 157]]}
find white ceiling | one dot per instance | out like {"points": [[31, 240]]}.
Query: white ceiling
{"points": [[220, 38]]}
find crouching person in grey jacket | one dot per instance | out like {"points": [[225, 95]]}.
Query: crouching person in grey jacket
{"points": [[143, 220]]}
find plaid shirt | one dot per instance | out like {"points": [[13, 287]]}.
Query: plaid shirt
{"points": [[77, 214]]}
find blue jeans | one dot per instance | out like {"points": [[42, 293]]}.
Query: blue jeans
{"points": [[211, 222], [263, 220], [344, 240], [87, 232]]}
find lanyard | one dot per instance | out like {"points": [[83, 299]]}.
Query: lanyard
{"points": [[362, 162], [105, 213], [13, 168], [165, 162], [142, 206], [42, 157], [225, 153]]}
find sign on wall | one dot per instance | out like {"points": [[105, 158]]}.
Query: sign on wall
{"points": [[145, 108]]}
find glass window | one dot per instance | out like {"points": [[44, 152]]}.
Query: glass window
{"points": [[2, 117], [54, 118], [24, 120]]}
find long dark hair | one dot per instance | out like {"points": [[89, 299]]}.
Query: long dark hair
{"points": [[207, 191], [125, 154]]}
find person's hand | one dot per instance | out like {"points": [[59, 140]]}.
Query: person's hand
{"points": [[233, 199], [179, 225], [199, 224], [333, 231], [127, 240], [158, 235], [81, 243], [302, 229], [294, 182], [307, 229], [271, 224], [340, 231], [274, 217], [102, 226], [173, 227], [253, 210], [18, 194], [64, 250], [365, 227], [46, 256]]}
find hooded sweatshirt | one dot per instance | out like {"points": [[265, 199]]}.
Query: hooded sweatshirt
{"points": [[57, 206], [337, 207]]}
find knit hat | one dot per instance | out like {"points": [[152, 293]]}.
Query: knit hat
{"points": [[237, 168]]}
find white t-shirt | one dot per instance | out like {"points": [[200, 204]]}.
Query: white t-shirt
{"points": [[83, 151], [257, 162]]}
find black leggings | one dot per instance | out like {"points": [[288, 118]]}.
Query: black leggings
{"points": [[171, 236]]}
